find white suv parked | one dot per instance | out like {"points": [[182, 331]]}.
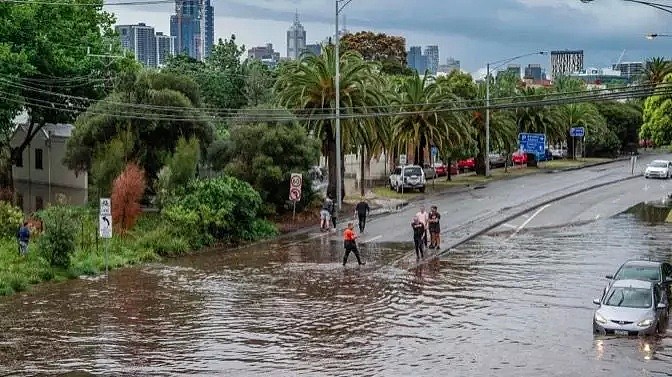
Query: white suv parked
{"points": [[409, 177]]}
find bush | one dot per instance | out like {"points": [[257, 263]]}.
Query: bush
{"points": [[57, 243], [10, 219], [179, 170], [162, 242], [126, 195], [223, 208]]}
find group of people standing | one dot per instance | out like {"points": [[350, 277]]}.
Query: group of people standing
{"points": [[423, 223]]}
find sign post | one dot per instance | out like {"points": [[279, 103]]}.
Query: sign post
{"points": [[402, 159], [575, 132], [532, 143], [295, 184], [105, 225]]}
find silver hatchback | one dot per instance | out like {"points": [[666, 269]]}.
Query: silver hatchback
{"points": [[630, 307]]}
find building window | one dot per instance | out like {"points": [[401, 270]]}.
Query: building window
{"points": [[19, 201], [39, 203], [38, 159], [19, 160]]}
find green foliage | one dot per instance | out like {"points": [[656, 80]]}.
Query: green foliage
{"points": [[180, 168], [109, 161], [259, 81], [265, 155], [624, 120], [223, 208], [658, 117], [57, 243], [10, 219]]}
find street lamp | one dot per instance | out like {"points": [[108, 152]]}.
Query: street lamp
{"points": [[664, 7], [340, 5], [499, 63], [657, 35]]}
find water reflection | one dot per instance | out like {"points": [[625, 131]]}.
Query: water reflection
{"points": [[506, 307]]}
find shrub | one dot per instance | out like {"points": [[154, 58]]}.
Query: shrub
{"points": [[127, 192], [180, 168], [57, 243], [109, 162], [10, 219], [223, 208], [162, 242]]}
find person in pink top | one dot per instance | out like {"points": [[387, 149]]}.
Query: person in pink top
{"points": [[423, 217]]}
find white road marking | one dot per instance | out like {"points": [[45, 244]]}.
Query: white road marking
{"points": [[509, 225], [372, 239], [523, 225], [597, 217], [646, 187]]}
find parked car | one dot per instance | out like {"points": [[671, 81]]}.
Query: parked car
{"points": [[631, 307], [409, 177], [658, 169], [468, 164], [558, 153], [497, 160], [430, 172], [519, 158], [442, 169], [659, 273], [547, 156]]}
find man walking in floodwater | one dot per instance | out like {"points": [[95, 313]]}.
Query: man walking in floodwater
{"points": [[23, 237], [423, 216], [418, 237], [361, 210], [434, 228], [350, 244]]}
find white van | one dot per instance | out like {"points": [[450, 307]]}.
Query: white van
{"points": [[408, 177]]}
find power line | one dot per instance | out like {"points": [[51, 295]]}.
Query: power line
{"points": [[74, 3]]}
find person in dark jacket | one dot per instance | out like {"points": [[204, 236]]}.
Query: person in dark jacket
{"points": [[361, 211], [418, 237], [23, 237]]}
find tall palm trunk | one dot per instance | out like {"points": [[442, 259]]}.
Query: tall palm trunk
{"points": [[362, 158]]}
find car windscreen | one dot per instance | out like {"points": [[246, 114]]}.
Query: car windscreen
{"points": [[629, 297], [658, 164], [639, 273], [412, 171]]}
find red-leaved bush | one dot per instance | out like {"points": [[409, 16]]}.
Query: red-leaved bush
{"points": [[127, 191]]}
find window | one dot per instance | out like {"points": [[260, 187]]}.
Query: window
{"points": [[39, 203], [629, 297], [412, 171], [639, 273], [38, 159], [19, 160]]}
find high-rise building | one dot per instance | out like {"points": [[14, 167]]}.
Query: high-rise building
{"points": [[265, 54], [139, 39], [165, 47], [296, 39], [193, 27], [630, 70], [416, 60], [564, 63], [534, 72], [450, 66], [513, 69], [432, 54], [315, 48]]}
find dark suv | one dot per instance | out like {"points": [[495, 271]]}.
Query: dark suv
{"points": [[656, 272]]}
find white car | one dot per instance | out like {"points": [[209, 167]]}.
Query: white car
{"points": [[658, 169], [409, 177]]}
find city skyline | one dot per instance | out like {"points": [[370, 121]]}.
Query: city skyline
{"points": [[603, 29]]}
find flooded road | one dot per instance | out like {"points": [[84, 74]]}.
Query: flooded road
{"points": [[497, 306]]}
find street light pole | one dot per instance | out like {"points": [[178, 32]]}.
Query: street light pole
{"points": [[657, 35], [337, 88]]}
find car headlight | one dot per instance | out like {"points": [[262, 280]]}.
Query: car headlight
{"points": [[600, 319], [645, 323]]}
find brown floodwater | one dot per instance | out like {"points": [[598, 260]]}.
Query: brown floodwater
{"points": [[497, 306]]}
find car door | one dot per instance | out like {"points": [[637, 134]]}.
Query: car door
{"points": [[667, 277]]}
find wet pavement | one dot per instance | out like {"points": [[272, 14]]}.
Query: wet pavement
{"points": [[496, 306]]}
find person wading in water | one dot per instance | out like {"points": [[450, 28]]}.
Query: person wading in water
{"points": [[361, 210], [418, 237], [350, 244]]}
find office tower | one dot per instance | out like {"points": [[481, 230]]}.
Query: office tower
{"points": [[432, 54], [315, 48], [513, 69], [566, 62], [416, 60], [193, 27], [265, 54], [165, 47], [296, 39], [630, 70], [534, 72], [139, 39]]}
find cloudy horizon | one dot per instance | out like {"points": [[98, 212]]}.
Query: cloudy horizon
{"points": [[472, 31]]}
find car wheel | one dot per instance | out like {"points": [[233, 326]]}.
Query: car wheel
{"points": [[422, 189], [399, 189]]}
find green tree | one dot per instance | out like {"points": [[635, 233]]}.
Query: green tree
{"points": [[259, 81], [579, 115], [307, 87], [388, 50], [656, 70], [657, 113], [157, 109], [625, 120], [179, 169]]}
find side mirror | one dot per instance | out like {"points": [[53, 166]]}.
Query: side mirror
{"points": [[609, 277], [662, 305], [668, 279], [596, 301]]}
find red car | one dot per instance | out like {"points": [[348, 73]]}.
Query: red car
{"points": [[442, 170], [468, 164], [519, 158]]}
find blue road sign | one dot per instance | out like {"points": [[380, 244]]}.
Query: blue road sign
{"points": [[577, 132], [435, 151], [532, 143]]}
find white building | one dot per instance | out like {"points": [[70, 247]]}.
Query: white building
{"points": [[40, 175], [566, 62]]}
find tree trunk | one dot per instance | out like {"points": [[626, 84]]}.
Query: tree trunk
{"points": [[448, 170], [362, 158], [330, 148]]}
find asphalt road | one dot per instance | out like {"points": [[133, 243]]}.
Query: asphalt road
{"points": [[465, 212]]}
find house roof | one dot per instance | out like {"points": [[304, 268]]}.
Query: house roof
{"points": [[59, 129]]}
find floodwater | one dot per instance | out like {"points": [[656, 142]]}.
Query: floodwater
{"points": [[497, 306]]}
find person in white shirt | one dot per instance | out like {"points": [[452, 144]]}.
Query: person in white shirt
{"points": [[423, 216]]}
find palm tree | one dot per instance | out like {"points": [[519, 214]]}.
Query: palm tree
{"points": [[655, 71], [307, 87], [537, 119], [578, 115], [426, 117]]}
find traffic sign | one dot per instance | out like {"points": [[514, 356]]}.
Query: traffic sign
{"points": [[577, 132], [532, 143], [402, 159], [105, 219], [295, 183], [435, 151]]}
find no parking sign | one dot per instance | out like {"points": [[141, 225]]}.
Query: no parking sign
{"points": [[295, 183]]}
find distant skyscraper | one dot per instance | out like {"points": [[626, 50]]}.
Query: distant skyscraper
{"points": [[630, 70], [534, 72], [265, 54], [451, 65], [139, 39], [432, 54], [514, 69], [314, 48], [564, 63], [165, 47], [296, 39], [193, 27], [416, 60]]}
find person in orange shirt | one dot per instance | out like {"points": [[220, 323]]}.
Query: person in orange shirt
{"points": [[350, 244]]}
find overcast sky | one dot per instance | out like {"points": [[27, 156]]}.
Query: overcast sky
{"points": [[473, 31]]}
